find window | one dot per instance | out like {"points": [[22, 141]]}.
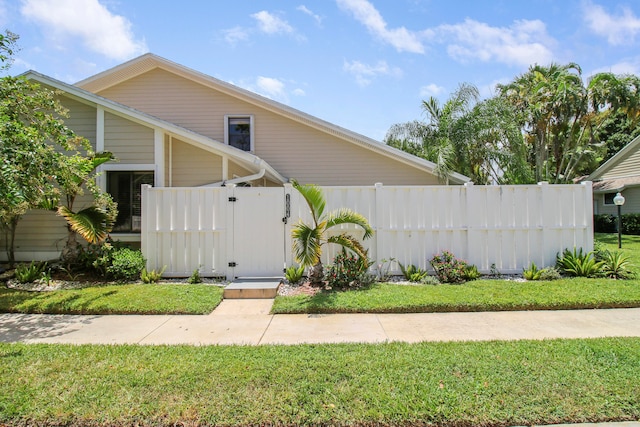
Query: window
{"points": [[239, 132], [125, 188], [608, 198]]}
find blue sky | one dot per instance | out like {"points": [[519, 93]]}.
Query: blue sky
{"points": [[361, 64]]}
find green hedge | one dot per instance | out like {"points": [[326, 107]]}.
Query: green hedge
{"points": [[606, 223]]}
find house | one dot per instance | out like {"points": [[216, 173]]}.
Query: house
{"points": [[621, 173], [171, 126]]}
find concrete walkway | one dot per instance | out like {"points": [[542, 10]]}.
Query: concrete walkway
{"points": [[249, 322]]}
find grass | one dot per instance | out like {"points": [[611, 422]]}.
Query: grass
{"points": [[480, 295], [115, 299], [443, 384]]}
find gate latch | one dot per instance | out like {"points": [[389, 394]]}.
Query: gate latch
{"points": [[233, 199], [233, 264]]}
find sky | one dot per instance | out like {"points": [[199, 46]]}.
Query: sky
{"points": [[360, 64]]}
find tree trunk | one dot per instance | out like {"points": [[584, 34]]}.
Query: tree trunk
{"points": [[69, 254], [316, 276]]}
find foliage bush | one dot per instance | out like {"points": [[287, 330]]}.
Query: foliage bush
{"points": [[349, 271], [532, 273], [550, 273], [430, 280], [450, 269], [294, 274], [126, 264], [151, 276], [579, 263], [381, 270], [195, 278], [413, 273], [607, 223], [27, 273]]}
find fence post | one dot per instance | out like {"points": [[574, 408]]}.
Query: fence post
{"points": [[543, 223], [229, 251], [380, 205], [587, 187], [472, 234], [144, 232], [288, 242]]}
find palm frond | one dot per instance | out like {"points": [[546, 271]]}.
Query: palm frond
{"points": [[347, 216], [306, 244], [92, 223], [347, 241], [100, 158], [314, 198]]}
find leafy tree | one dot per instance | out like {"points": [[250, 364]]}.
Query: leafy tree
{"points": [[561, 115], [309, 238], [480, 139], [29, 117]]}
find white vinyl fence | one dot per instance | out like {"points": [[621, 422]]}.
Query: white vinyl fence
{"points": [[231, 232]]}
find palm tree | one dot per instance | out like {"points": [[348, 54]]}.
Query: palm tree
{"points": [[94, 222], [309, 238]]}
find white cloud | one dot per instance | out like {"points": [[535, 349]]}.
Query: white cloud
{"points": [[235, 35], [271, 87], [523, 43], [620, 29], [431, 90], [365, 73], [302, 8], [624, 67], [299, 92], [271, 24], [91, 22], [400, 38]]}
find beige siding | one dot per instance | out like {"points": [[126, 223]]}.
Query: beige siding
{"points": [[628, 166], [631, 203], [82, 119], [192, 166], [39, 231], [130, 142], [295, 150]]}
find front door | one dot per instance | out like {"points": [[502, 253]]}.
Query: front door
{"points": [[258, 232]]}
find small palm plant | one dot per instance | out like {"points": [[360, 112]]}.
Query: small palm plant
{"points": [[309, 238]]}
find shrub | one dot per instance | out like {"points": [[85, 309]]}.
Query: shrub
{"points": [[382, 269], [27, 273], [605, 223], [550, 273], [579, 263], [532, 273], [152, 276], [348, 271], [126, 264], [294, 274], [449, 269], [413, 273], [430, 280], [631, 223], [471, 273], [195, 278], [615, 265]]}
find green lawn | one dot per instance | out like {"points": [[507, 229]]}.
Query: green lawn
{"points": [[630, 246], [443, 384], [115, 299]]}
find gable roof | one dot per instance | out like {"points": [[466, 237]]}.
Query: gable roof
{"points": [[247, 160], [617, 183], [149, 61]]}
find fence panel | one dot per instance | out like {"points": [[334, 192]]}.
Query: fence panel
{"points": [[506, 227]]}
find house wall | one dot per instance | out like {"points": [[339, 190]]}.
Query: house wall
{"points": [[130, 142], [294, 149], [628, 166], [192, 166], [631, 203], [82, 118]]}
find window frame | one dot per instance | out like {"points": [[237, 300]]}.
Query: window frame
{"points": [[251, 129]]}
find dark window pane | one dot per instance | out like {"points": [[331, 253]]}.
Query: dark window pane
{"points": [[240, 133], [608, 198], [126, 190]]}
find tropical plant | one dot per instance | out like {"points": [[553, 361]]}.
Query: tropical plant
{"points": [[579, 263], [309, 238], [412, 273], [27, 273], [470, 273], [532, 273], [616, 265], [381, 269], [151, 276], [294, 274], [550, 273], [349, 271]]}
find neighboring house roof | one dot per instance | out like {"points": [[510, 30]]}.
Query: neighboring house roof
{"points": [[605, 181], [149, 61], [249, 161]]}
